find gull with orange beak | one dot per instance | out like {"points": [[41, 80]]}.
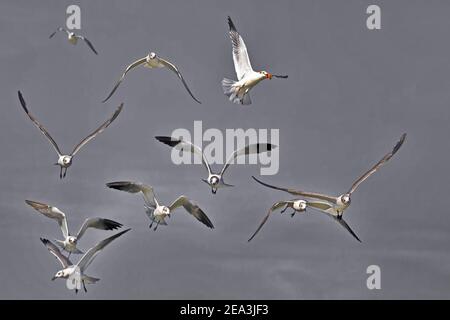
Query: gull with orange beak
{"points": [[238, 91]]}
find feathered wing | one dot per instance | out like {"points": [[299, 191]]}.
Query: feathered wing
{"points": [[136, 187], [378, 165], [193, 209], [52, 213], [300, 193], [172, 67], [90, 45], [98, 223], [57, 30], [248, 149], [276, 206], [98, 131], [65, 262], [131, 66], [241, 60], [89, 256], [37, 124], [183, 145], [323, 207]]}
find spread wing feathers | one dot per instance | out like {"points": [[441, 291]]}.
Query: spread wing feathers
{"points": [[276, 206], [40, 126], [131, 66], [185, 146], [300, 193], [240, 55], [172, 67], [378, 165], [90, 45], [65, 262], [248, 149], [136, 187], [98, 131], [57, 30], [193, 209], [347, 227], [89, 256], [323, 207], [52, 213], [98, 223]]}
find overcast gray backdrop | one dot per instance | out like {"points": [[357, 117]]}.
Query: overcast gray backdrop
{"points": [[351, 93]]}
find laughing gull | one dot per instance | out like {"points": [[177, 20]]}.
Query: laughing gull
{"points": [[335, 206], [299, 206], [156, 211], [69, 268], [70, 242], [238, 91], [215, 180], [65, 160], [73, 38], [152, 60]]}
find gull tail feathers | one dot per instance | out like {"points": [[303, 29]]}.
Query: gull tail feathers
{"points": [[232, 92]]}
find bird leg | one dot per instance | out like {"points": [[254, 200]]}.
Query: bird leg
{"points": [[293, 214], [65, 172], [157, 224], [284, 209], [84, 286], [60, 172]]}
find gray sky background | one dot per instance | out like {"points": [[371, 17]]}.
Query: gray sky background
{"points": [[351, 93]]}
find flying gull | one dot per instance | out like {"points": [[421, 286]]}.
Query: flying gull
{"points": [[73, 38], [238, 91], [156, 211]]}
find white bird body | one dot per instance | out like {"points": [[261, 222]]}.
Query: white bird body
{"points": [[70, 242], [238, 91], [64, 161], [72, 38], [70, 268]]}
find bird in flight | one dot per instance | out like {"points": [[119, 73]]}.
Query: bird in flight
{"points": [[158, 212], [238, 91], [152, 60], [215, 180], [73, 38], [333, 206], [65, 160], [70, 242], [69, 268]]}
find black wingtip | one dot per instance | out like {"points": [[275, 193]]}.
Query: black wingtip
{"points": [[22, 101], [231, 24], [168, 140], [44, 241], [399, 143]]}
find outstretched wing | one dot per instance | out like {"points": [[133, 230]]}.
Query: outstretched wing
{"points": [[89, 256], [248, 149], [378, 165], [185, 146], [65, 262], [193, 209], [88, 43], [98, 223], [98, 131], [172, 67], [136, 187], [37, 124], [276, 206], [52, 213], [324, 207], [57, 30], [300, 193], [240, 55], [131, 66]]}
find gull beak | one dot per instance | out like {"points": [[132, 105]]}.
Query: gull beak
{"points": [[56, 164], [269, 76], [53, 278]]}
